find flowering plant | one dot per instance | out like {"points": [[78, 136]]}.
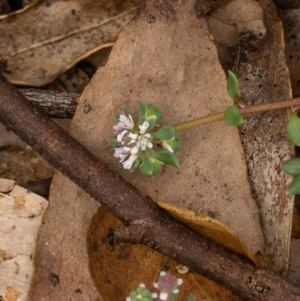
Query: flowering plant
{"points": [[166, 284], [136, 143]]}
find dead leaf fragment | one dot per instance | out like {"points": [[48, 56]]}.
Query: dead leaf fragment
{"points": [[11, 294], [212, 229], [45, 39], [21, 215]]}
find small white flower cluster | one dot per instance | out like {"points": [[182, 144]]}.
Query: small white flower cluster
{"points": [[133, 143], [166, 284]]}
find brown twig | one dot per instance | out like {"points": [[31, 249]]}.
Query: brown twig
{"points": [[148, 224]]}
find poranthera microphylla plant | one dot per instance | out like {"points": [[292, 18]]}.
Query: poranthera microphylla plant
{"points": [[146, 145], [136, 143]]}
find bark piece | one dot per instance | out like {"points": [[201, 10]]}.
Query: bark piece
{"points": [[263, 74]]}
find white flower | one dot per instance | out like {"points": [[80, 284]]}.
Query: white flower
{"points": [[124, 123], [163, 296], [121, 136], [128, 163], [144, 141], [134, 150], [133, 137], [144, 127], [167, 146]]}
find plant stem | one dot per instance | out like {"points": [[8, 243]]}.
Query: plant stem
{"points": [[283, 104]]}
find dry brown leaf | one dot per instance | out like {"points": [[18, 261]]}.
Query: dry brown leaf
{"points": [[45, 39], [61, 260], [116, 271], [214, 230], [21, 215], [151, 61]]}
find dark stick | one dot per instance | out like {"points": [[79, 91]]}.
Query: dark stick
{"points": [[55, 104], [147, 223]]}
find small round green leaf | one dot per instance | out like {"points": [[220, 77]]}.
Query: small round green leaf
{"points": [[291, 166], [167, 157], [191, 297], [294, 187], [233, 116], [156, 166], [233, 86], [153, 112], [165, 133], [293, 129]]}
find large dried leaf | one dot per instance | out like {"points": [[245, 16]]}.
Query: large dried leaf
{"points": [[21, 215], [45, 39], [117, 271], [151, 61], [61, 260]]}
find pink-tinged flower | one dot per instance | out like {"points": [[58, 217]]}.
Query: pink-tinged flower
{"points": [[167, 284], [121, 137], [128, 163], [118, 151], [121, 153], [125, 123]]}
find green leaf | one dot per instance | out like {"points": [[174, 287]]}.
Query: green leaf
{"points": [[191, 297], [114, 143], [233, 116], [291, 166], [294, 187], [142, 112], [156, 166], [165, 133], [152, 124], [117, 117], [167, 157], [146, 167], [126, 111], [173, 296], [153, 113], [293, 129], [233, 86]]}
